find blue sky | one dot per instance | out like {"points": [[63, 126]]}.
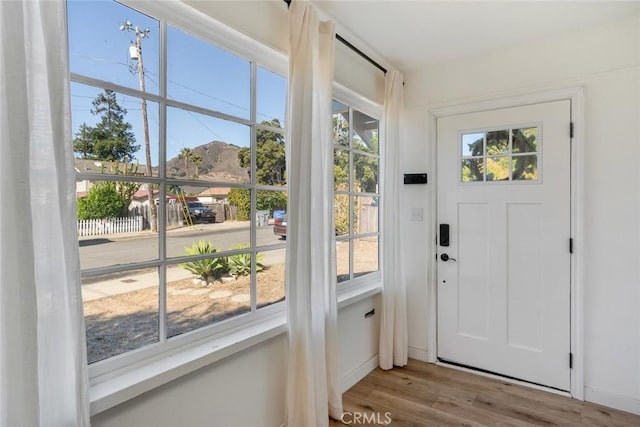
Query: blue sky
{"points": [[198, 73]]}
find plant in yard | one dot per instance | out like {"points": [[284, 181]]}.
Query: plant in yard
{"points": [[267, 200], [241, 199], [103, 201], [341, 212], [240, 264], [208, 268]]}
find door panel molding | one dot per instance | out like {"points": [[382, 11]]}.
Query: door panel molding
{"points": [[576, 96]]}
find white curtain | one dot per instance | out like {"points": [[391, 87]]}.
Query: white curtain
{"points": [[43, 367], [312, 381], [393, 323]]}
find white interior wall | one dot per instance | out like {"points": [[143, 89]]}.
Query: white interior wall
{"points": [[247, 389], [604, 60], [267, 21], [413, 158]]}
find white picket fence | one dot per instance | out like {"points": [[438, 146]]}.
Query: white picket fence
{"points": [[97, 227]]}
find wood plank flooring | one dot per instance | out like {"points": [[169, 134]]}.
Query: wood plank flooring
{"points": [[422, 394]]}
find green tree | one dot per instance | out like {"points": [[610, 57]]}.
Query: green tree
{"points": [[186, 154], [196, 159], [365, 168], [83, 142], [126, 189], [103, 200], [265, 200], [473, 169], [111, 138], [271, 200], [270, 155], [525, 141], [496, 163]]}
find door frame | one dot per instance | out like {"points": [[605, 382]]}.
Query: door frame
{"points": [[576, 96]]}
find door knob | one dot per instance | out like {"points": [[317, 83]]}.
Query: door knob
{"points": [[445, 258]]}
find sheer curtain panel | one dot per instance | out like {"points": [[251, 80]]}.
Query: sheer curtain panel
{"points": [[393, 323], [43, 367], [312, 380]]}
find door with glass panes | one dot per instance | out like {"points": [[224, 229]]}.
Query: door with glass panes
{"points": [[504, 270]]}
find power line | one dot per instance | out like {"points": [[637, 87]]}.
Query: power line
{"points": [[201, 122], [212, 97], [157, 85]]}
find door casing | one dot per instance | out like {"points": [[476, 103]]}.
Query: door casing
{"points": [[576, 96]]}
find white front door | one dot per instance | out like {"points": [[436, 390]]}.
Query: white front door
{"points": [[504, 192]]}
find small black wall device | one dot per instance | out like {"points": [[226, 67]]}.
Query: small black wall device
{"points": [[444, 234], [415, 178]]}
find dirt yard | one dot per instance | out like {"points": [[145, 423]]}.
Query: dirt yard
{"points": [[127, 321]]}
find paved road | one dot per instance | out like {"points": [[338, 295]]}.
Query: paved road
{"points": [[105, 251]]}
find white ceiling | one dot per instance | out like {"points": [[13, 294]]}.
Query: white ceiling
{"points": [[415, 34]]}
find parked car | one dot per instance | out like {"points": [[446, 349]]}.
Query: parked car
{"points": [[280, 227], [200, 213]]}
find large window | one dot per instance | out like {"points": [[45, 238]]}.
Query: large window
{"points": [[357, 194], [181, 173]]}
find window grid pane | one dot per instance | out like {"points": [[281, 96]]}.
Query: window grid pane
{"points": [[356, 172], [121, 312], [201, 74], [506, 155], [213, 216]]}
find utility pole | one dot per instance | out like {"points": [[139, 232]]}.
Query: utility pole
{"points": [[135, 53]]}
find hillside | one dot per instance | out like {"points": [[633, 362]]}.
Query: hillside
{"points": [[219, 163]]}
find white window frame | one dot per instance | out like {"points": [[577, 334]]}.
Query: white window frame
{"points": [[122, 377], [199, 25], [371, 282]]}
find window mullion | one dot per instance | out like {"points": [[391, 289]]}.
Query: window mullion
{"points": [[484, 157], [351, 196], [162, 224], [254, 191]]}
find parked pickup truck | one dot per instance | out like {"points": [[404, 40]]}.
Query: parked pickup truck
{"points": [[200, 213]]}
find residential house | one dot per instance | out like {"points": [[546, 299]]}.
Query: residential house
{"points": [[214, 195]]}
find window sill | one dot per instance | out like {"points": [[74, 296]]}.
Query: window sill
{"points": [[355, 294], [132, 382]]}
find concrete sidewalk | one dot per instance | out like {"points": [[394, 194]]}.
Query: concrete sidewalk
{"points": [[133, 282]]}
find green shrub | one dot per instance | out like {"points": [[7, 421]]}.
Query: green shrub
{"points": [[240, 264], [205, 268], [103, 201], [341, 206], [265, 200], [241, 198], [271, 200]]}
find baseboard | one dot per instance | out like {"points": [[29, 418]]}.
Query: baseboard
{"points": [[612, 400], [353, 377], [418, 354]]}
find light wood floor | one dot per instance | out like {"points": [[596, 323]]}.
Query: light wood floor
{"points": [[423, 394]]}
